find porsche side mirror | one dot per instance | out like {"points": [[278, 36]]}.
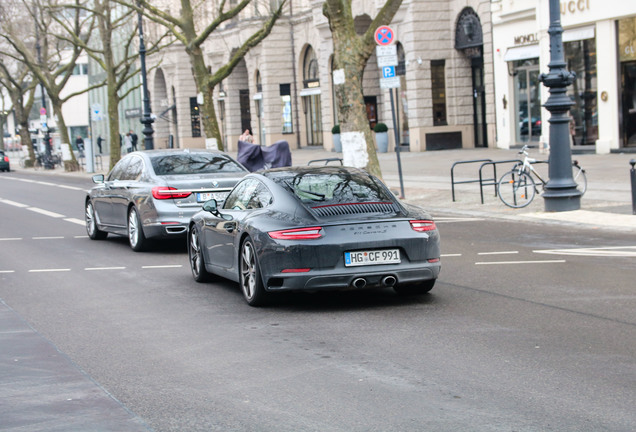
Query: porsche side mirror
{"points": [[211, 206], [98, 178]]}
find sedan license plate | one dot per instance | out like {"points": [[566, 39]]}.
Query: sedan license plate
{"points": [[387, 256], [207, 196]]}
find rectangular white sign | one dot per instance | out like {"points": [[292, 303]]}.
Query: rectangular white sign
{"points": [[391, 60], [385, 50], [393, 82]]}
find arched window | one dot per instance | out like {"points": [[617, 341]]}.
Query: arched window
{"points": [[311, 77]]}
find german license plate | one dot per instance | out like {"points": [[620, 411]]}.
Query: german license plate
{"points": [[207, 196], [360, 258]]}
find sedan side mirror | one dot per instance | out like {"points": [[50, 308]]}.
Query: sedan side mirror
{"points": [[98, 178]]}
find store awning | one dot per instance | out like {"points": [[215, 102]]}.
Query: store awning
{"points": [[522, 53], [580, 33]]}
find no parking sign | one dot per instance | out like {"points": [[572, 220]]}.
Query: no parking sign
{"points": [[384, 35]]}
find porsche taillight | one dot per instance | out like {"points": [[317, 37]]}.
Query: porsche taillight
{"points": [[164, 192], [297, 234], [423, 225]]}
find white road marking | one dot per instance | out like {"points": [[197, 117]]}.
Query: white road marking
{"points": [[611, 251], [162, 266], [13, 203], [45, 212], [104, 268], [498, 253], [75, 221], [49, 270], [46, 183], [7, 271], [70, 187], [520, 262], [10, 238], [82, 236], [451, 255], [48, 238]]}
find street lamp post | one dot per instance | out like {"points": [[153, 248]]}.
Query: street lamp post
{"points": [[560, 193], [43, 116], [147, 119]]}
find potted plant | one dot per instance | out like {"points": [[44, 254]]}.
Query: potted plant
{"points": [[381, 137], [337, 146]]}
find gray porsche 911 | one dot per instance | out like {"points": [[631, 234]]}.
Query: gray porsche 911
{"points": [[153, 194], [314, 228]]}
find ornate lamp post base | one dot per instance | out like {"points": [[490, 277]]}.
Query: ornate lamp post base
{"points": [[561, 193]]}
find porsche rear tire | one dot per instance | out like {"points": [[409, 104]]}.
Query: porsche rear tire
{"points": [[195, 256], [250, 275]]}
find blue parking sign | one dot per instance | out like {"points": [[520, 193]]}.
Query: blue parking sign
{"points": [[388, 71]]}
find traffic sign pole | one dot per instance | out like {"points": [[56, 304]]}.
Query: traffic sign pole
{"points": [[386, 54]]}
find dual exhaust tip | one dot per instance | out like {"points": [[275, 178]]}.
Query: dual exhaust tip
{"points": [[387, 281]]}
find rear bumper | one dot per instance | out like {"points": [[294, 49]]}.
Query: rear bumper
{"points": [[376, 276]]}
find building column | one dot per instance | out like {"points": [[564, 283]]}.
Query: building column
{"points": [[608, 97]]}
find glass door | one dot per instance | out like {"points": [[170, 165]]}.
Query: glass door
{"points": [[527, 101], [313, 120]]}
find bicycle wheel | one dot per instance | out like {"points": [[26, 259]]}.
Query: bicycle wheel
{"points": [[516, 189], [37, 164], [578, 174]]}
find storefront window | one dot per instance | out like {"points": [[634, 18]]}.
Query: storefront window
{"points": [[581, 59], [285, 98]]}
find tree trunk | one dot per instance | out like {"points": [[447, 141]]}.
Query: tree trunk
{"points": [[208, 113], [71, 165]]}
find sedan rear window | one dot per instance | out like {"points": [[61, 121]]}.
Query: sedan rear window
{"points": [[193, 163]]}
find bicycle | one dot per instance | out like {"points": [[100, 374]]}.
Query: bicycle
{"points": [[517, 187]]}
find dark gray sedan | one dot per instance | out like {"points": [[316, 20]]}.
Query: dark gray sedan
{"points": [[314, 228], [153, 194]]}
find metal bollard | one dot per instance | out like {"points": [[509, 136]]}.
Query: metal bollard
{"points": [[632, 175]]}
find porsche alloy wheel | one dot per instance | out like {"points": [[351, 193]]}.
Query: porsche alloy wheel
{"points": [[93, 232], [197, 262], [250, 276]]}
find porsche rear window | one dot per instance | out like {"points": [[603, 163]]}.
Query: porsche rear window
{"points": [[193, 163], [328, 189]]}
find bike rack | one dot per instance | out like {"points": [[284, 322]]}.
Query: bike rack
{"points": [[453, 182], [481, 180], [494, 181]]}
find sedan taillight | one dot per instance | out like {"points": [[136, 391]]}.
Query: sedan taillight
{"points": [[164, 192], [297, 234], [423, 225], [6, 158]]}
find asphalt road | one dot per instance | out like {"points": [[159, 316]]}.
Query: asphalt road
{"points": [[529, 328]]}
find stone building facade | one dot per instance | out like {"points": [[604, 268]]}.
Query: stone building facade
{"points": [[283, 89]]}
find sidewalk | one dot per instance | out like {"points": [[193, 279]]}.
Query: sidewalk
{"points": [[426, 178]]}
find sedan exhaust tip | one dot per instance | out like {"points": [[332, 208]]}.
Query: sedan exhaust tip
{"points": [[359, 283], [388, 281]]}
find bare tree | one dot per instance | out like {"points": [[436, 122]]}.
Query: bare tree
{"points": [[20, 86], [112, 48], [351, 54], [193, 33], [48, 54]]}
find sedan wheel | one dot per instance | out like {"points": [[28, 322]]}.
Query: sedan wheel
{"points": [[250, 277], [136, 236], [197, 262], [93, 232]]}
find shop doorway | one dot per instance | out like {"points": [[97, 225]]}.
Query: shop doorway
{"points": [[313, 119], [628, 86], [246, 116], [527, 101], [479, 103]]}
